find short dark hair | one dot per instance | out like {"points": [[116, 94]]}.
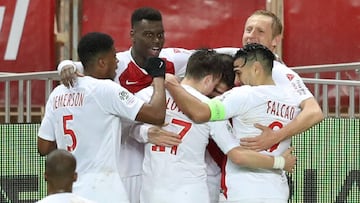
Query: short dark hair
{"points": [[60, 166], [228, 75], [146, 13], [202, 63], [256, 52], [92, 45]]}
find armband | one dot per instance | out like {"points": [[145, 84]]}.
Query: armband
{"points": [[279, 162], [217, 110], [65, 63]]}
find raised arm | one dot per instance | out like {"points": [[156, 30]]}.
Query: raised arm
{"points": [[154, 111], [68, 71], [192, 107]]}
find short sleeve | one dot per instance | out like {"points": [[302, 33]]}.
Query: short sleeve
{"points": [[222, 134], [290, 80]]}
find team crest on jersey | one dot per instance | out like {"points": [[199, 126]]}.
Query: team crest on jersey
{"points": [[290, 76], [127, 97]]}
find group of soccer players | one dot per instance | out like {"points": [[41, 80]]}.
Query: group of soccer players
{"points": [[120, 160]]}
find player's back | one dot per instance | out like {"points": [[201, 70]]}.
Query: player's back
{"points": [[87, 123], [64, 197], [177, 172], [267, 105]]}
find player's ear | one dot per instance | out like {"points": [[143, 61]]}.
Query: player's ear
{"points": [[276, 41], [101, 62], [75, 176], [257, 67], [132, 35], [207, 80]]}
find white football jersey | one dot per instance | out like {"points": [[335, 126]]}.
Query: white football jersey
{"points": [[268, 105], [178, 174], [85, 120], [290, 81], [282, 75], [133, 78], [65, 197]]}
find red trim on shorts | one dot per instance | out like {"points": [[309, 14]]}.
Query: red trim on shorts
{"points": [[223, 181]]}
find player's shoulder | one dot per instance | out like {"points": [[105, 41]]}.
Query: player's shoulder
{"points": [[242, 88], [279, 67], [125, 53], [195, 93], [170, 53], [91, 84], [145, 93]]}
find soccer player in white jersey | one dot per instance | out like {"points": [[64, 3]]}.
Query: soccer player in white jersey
{"points": [[147, 37], [263, 102], [178, 174], [85, 119], [60, 174], [265, 28]]}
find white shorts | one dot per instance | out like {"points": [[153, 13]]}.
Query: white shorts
{"points": [[183, 192], [213, 182], [132, 186], [222, 199]]}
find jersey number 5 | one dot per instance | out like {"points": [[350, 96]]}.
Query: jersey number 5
{"points": [[69, 132], [185, 128]]}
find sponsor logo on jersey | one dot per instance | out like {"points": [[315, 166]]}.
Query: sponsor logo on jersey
{"points": [[127, 82]]}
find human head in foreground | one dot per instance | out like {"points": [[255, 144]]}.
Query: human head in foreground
{"points": [[253, 64], [60, 171]]}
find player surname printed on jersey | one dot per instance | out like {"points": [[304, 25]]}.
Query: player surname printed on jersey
{"points": [[171, 105], [282, 110], [69, 99]]}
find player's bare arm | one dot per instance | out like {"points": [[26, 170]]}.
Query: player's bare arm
{"points": [[310, 115], [161, 137], [192, 107], [45, 146], [252, 159], [154, 111]]}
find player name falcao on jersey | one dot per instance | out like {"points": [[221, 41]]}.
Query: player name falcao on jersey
{"points": [[68, 100], [281, 110]]}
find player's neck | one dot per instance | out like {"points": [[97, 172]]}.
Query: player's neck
{"points": [[55, 190], [192, 83]]}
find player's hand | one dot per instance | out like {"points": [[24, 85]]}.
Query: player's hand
{"points": [[155, 67], [69, 76], [290, 160], [264, 141], [171, 79], [161, 137]]}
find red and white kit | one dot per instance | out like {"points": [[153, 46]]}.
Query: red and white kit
{"points": [[178, 174]]}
